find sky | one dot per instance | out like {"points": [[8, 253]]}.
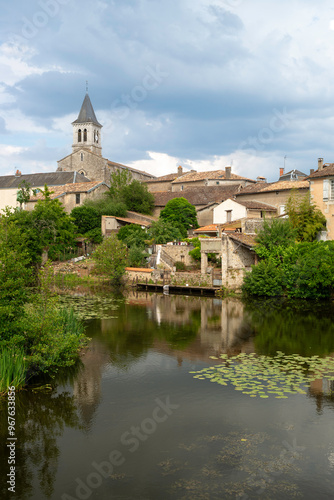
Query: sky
{"points": [[200, 83]]}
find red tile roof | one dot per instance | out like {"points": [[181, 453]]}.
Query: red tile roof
{"points": [[213, 174]]}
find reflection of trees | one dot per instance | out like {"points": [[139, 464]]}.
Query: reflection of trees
{"points": [[40, 419], [292, 327]]}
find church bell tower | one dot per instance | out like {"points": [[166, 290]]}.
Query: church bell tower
{"points": [[86, 129]]}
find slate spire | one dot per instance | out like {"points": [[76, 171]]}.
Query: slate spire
{"points": [[87, 114]]}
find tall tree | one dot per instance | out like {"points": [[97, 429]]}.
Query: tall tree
{"points": [[181, 214], [305, 217]]}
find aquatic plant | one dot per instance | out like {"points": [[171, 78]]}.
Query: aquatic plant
{"points": [[263, 376], [13, 369]]}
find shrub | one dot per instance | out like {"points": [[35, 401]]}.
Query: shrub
{"points": [[265, 280], [13, 368], [180, 266], [111, 259]]}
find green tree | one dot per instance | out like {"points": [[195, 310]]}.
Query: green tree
{"points": [[132, 193], [111, 259], [133, 235], [86, 218], [305, 217], [107, 206], [181, 214], [265, 280], [274, 237], [162, 232]]}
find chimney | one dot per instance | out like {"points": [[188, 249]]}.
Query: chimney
{"points": [[228, 172], [281, 171], [320, 163], [179, 171], [311, 171], [18, 173], [261, 179]]}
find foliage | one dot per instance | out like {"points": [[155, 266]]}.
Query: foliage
{"points": [[265, 280], [181, 214], [274, 237], [305, 217], [309, 270], [163, 232], [137, 198], [86, 218], [133, 235], [13, 368], [15, 276], [94, 235], [107, 206], [111, 259], [137, 258], [180, 266], [306, 271], [132, 193], [23, 193]]}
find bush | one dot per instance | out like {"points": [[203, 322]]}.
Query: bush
{"points": [[133, 235], [137, 258], [180, 266], [86, 218], [264, 280], [95, 235], [111, 259]]}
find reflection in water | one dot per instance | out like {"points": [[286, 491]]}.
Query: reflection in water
{"points": [[40, 420], [216, 438]]}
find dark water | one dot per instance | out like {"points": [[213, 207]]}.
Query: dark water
{"points": [[133, 423]]}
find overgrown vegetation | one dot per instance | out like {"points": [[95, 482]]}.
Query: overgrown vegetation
{"points": [[293, 264], [111, 259]]}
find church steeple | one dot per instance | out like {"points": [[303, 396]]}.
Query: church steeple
{"points": [[86, 129]]}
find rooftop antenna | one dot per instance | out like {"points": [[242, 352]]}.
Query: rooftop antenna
{"points": [[284, 161]]}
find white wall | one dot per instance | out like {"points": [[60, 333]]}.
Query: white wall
{"points": [[219, 213]]}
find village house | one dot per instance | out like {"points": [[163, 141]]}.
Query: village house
{"points": [[204, 199], [72, 195], [86, 156], [232, 210], [275, 194], [322, 193], [213, 178], [9, 184]]}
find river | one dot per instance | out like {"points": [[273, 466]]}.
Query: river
{"points": [[133, 422]]}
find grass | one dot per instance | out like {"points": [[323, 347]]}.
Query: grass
{"points": [[13, 369]]}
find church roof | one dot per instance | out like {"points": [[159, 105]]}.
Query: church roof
{"points": [[37, 180], [87, 113]]}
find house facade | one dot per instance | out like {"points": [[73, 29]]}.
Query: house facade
{"points": [[10, 184], [322, 193], [72, 195], [232, 210]]}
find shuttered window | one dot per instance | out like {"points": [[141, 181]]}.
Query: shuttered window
{"points": [[326, 189]]}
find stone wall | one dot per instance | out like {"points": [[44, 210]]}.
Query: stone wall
{"points": [[90, 164], [251, 226], [236, 260], [179, 253]]}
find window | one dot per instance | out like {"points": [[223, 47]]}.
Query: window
{"points": [[328, 189], [228, 215], [77, 198], [79, 135], [217, 182], [81, 156], [182, 187], [85, 135]]}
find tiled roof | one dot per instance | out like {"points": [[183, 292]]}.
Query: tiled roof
{"points": [[134, 221], [206, 229], [213, 174], [244, 239], [120, 165], [326, 171], [163, 178], [257, 205], [201, 195], [274, 186], [37, 180], [81, 187]]}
